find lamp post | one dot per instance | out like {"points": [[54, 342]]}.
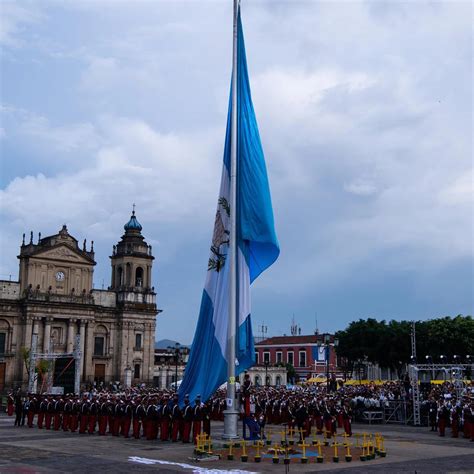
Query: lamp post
{"points": [[327, 344], [177, 352], [266, 363]]}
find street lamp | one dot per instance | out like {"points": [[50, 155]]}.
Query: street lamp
{"points": [[177, 352], [266, 363], [327, 345]]}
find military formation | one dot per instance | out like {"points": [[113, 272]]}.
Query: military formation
{"points": [[153, 414], [145, 414]]}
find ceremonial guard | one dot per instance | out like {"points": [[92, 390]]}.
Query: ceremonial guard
{"points": [[67, 409], [32, 409], [83, 415], [187, 419], [126, 418], [432, 412], [74, 420], [58, 412], [442, 417], [197, 418], [176, 420], [206, 418], [49, 413], [93, 412], [165, 419], [103, 413], [347, 418], [138, 414]]}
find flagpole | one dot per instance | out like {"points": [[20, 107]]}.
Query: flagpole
{"points": [[231, 413]]}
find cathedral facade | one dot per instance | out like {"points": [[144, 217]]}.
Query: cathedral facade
{"points": [[54, 307]]}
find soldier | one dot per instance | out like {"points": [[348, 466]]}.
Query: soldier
{"points": [[10, 404], [58, 405], [49, 413], [301, 418], [18, 409], [165, 419], [126, 418], [138, 415], [103, 412], [187, 419], [197, 418], [83, 415], [67, 409], [33, 408], [151, 421], [347, 417], [442, 417], [74, 419], [176, 420], [93, 412], [206, 418], [432, 411], [118, 413], [455, 419]]}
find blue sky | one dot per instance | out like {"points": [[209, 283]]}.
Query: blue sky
{"points": [[365, 115]]}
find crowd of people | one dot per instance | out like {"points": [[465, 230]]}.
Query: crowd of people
{"points": [[149, 413]]}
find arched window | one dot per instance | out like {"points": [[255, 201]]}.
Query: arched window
{"points": [[139, 276], [278, 381], [268, 380], [257, 381]]}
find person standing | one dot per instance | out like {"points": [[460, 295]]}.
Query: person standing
{"points": [[187, 419], [176, 420], [197, 418]]}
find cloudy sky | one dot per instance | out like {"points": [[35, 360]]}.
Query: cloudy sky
{"points": [[365, 114]]}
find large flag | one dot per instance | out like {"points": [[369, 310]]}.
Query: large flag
{"points": [[257, 245]]}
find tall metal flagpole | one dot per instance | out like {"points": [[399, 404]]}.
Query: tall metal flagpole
{"points": [[231, 414]]}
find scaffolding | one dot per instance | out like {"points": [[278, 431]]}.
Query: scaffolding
{"points": [[51, 356], [453, 373]]}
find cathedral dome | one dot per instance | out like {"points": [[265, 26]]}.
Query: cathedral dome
{"points": [[133, 224]]}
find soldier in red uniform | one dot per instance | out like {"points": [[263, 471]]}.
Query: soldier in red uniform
{"points": [[206, 418], [126, 418], [187, 419], [10, 404], [93, 412], [138, 414], [197, 418], [443, 417], [347, 418], [83, 415], [103, 412], [58, 412], [49, 413], [176, 420], [165, 419], [74, 420], [67, 408]]}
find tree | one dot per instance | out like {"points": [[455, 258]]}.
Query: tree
{"points": [[389, 344]]}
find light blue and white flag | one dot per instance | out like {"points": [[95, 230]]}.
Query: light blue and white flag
{"points": [[257, 245]]}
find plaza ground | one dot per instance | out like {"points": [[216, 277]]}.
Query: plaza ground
{"points": [[24, 450]]}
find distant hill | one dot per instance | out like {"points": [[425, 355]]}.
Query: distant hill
{"points": [[165, 343]]}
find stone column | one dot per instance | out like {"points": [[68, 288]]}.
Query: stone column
{"points": [[71, 333], [82, 333], [47, 334], [88, 365]]}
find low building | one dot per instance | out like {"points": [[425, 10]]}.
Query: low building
{"points": [[307, 354]]}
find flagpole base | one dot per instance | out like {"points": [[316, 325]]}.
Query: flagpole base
{"points": [[231, 417]]}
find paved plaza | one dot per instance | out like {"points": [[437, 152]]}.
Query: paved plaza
{"points": [[25, 450]]}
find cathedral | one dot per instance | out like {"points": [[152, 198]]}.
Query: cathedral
{"points": [[54, 308]]}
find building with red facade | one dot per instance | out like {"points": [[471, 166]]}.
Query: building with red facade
{"points": [[306, 353]]}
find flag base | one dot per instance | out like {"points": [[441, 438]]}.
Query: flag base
{"points": [[230, 424]]}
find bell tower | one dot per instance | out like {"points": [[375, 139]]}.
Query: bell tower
{"points": [[132, 262]]}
